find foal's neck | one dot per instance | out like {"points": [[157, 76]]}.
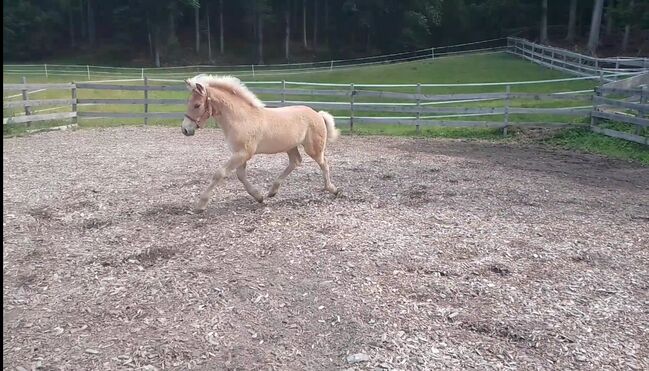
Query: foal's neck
{"points": [[232, 110]]}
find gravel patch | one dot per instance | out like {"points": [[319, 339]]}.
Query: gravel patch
{"points": [[439, 254]]}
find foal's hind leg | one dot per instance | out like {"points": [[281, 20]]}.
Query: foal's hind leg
{"points": [[241, 174], [294, 160], [316, 152]]}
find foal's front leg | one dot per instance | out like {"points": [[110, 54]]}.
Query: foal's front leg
{"points": [[237, 159], [241, 174]]}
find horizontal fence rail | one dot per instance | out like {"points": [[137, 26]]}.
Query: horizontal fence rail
{"points": [[414, 109], [611, 117], [89, 71], [564, 60], [417, 109]]}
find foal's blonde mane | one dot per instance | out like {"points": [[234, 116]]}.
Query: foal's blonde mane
{"points": [[229, 83]]}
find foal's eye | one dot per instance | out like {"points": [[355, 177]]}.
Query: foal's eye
{"points": [[196, 105]]}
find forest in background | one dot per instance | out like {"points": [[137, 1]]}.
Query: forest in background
{"points": [[177, 32]]}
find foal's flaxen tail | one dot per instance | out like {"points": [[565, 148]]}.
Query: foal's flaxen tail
{"points": [[332, 132]]}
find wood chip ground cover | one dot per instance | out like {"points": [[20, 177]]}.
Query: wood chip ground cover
{"points": [[439, 254]]}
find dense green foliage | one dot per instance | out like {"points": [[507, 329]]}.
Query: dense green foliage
{"points": [[148, 32]]}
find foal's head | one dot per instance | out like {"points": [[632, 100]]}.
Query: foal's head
{"points": [[199, 108]]}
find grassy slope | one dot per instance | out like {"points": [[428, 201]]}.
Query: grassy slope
{"points": [[459, 69]]}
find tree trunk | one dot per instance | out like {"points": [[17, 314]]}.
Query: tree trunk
{"points": [[196, 29], [173, 39], [627, 29], [222, 45], [82, 16], [315, 24], [367, 40], [91, 23], [287, 36], [595, 23], [260, 37], [148, 31], [306, 45], [209, 33], [544, 21], [572, 21], [609, 17], [156, 45], [73, 42], [326, 21]]}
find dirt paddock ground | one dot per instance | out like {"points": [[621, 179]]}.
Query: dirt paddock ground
{"points": [[440, 254]]}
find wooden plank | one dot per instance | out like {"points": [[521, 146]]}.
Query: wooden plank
{"points": [[621, 118], [445, 123], [53, 128], [14, 87], [73, 94], [131, 101], [621, 135], [130, 87], [450, 123], [634, 91], [644, 108], [552, 111], [146, 99], [366, 107], [28, 110], [568, 96], [133, 115], [42, 117], [36, 103], [427, 97], [311, 92]]}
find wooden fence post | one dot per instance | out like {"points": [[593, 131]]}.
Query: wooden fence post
{"points": [[88, 69], [351, 107], [73, 92], [283, 92], [253, 70], [331, 66], [593, 119], [28, 109], [432, 53], [644, 96], [46, 76], [146, 100], [418, 106], [507, 91]]}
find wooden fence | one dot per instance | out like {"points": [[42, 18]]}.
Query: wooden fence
{"points": [[418, 106], [422, 109], [609, 111], [575, 63]]}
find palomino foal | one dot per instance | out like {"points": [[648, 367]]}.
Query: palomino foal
{"points": [[250, 128]]}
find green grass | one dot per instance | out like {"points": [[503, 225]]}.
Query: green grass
{"points": [[584, 140]]}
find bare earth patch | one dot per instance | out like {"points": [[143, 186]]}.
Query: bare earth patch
{"points": [[439, 254]]}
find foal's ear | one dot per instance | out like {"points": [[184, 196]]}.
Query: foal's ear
{"points": [[200, 89], [189, 85]]}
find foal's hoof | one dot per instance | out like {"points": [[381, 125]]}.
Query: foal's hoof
{"points": [[271, 194], [338, 192], [258, 197], [202, 205]]}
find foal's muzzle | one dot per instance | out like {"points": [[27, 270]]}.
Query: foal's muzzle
{"points": [[188, 128]]}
